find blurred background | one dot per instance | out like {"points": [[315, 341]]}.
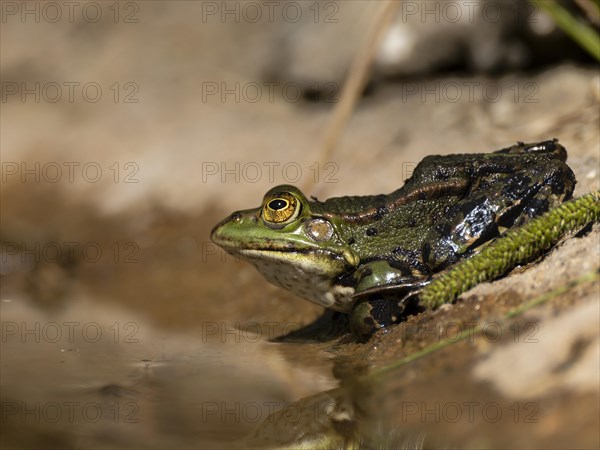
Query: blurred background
{"points": [[129, 129]]}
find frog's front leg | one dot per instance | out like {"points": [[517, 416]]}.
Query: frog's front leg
{"points": [[383, 297], [508, 201]]}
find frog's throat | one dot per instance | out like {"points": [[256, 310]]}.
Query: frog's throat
{"points": [[308, 277]]}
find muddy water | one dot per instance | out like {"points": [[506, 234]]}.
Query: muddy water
{"points": [[159, 342], [90, 376]]}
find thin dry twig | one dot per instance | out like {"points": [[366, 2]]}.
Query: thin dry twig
{"points": [[357, 77]]}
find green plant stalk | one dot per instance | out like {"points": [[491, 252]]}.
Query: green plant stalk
{"points": [[518, 246], [469, 333], [586, 36]]}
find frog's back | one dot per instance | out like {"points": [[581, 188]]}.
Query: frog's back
{"points": [[349, 205]]}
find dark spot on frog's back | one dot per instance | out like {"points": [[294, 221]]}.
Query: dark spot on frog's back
{"points": [[371, 232], [381, 212]]}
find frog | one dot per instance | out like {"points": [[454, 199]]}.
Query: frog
{"points": [[368, 256]]}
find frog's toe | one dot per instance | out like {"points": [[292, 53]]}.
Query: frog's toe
{"points": [[377, 312], [371, 315]]}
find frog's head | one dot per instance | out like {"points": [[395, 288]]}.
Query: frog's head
{"points": [[291, 246]]}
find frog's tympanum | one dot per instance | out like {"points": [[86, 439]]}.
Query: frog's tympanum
{"points": [[343, 251]]}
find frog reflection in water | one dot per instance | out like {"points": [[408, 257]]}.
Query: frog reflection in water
{"points": [[349, 253]]}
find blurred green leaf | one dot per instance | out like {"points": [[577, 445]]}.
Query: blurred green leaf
{"points": [[585, 35]]}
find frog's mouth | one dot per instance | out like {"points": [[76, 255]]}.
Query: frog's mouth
{"points": [[321, 259], [262, 247], [316, 261]]}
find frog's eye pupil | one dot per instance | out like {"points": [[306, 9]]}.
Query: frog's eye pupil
{"points": [[278, 204], [280, 209]]}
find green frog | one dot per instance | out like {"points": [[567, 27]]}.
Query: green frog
{"points": [[354, 254]]}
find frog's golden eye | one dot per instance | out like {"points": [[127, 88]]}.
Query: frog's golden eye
{"points": [[281, 209]]}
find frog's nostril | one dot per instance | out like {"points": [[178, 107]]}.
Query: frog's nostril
{"points": [[236, 216]]}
